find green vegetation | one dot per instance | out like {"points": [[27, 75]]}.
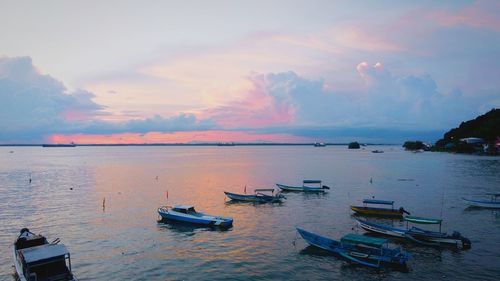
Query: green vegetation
{"points": [[354, 145], [486, 127], [414, 145]]}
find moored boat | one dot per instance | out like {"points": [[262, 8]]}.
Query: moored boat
{"points": [[358, 249], [418, 235], [259, 196], [490, 204], [374, 211], [319, 144], [37, 259], [307, 186], [187, 214], [377, 151]]}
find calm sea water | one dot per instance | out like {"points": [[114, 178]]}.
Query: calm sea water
{"points": [[125, 242]]}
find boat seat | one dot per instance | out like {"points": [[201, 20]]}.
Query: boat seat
{"points": [[31, 241]]}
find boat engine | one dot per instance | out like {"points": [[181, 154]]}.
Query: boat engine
{"points": [[402, 210]]}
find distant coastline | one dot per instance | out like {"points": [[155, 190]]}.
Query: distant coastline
{"points": [[205, 144]]}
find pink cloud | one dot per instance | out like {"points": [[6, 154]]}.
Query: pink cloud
{"points": [[258, 108], [175, 137], [481, 14]]}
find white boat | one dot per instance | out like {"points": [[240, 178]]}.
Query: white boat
{"points": [[307, 186], [35, 259], [187, 214], [494, 203], [258, 197]]}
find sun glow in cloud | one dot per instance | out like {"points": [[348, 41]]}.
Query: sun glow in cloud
{"points": [[177, 137]]}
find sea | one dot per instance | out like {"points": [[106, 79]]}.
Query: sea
{"points": [[102, 202]]}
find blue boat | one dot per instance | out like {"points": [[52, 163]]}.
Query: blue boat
{"points": [[358, 249], [187, 214], [490, 204], [418, 235], [258, 197], [307, 186]]}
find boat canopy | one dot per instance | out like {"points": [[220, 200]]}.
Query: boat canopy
{"points": [[183, 207], [43, 252], [312, 181], [380, 202], [365, 240], [422, 220], [264, 189]]}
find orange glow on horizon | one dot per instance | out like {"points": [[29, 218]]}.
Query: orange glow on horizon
{"points": [[175, 137]]}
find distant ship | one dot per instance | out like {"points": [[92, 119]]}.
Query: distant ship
{"points": [[319, 144], [59, 145], [226, 144]]}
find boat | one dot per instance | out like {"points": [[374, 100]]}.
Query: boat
{"points": [[259, 196], [358, 249], [418, 235], [187, 214], [377, 151], [319, 144], [491, 204], [373, 211], [307, 186], [59, 145], [37, 259], [226, 144]]}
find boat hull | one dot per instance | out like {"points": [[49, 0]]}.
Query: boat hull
{"points": [[417, 235], [300, 188], [367, 256], [483, 203], [253, 198], [381, 229], [205, 220], [369, 211]]}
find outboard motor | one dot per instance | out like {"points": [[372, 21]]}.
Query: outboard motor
{"points": [[402, 210], [325, 187], [23, 230], [466, 244]]}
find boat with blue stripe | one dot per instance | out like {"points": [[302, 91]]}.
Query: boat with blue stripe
{"points": [[307, 186], [259, 196], [187, 214], [358, 249], [494, 203], [419, 235]]}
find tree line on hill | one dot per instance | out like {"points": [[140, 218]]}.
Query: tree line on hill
{"points": [[481, 134]]}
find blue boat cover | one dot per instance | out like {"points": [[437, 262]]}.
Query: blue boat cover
{"points": [[361, 239], [312, 181], [422, 220], [381, 202]]}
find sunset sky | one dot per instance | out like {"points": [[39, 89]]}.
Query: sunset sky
{"points": [[244, 71]]}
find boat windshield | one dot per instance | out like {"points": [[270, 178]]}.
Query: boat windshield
{"points": [[189, 210], [53, 270]]}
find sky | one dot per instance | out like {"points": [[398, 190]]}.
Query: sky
{"points": [[245, 71]]}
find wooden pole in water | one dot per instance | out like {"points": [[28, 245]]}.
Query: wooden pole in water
{"points": [[103, 203]]}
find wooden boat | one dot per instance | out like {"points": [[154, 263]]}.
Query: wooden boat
{"points": [[358, 249], [418, 235], [307, 186], [491, 204], [373, 211], [259, 196], [37, 259], [187, 214]]}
